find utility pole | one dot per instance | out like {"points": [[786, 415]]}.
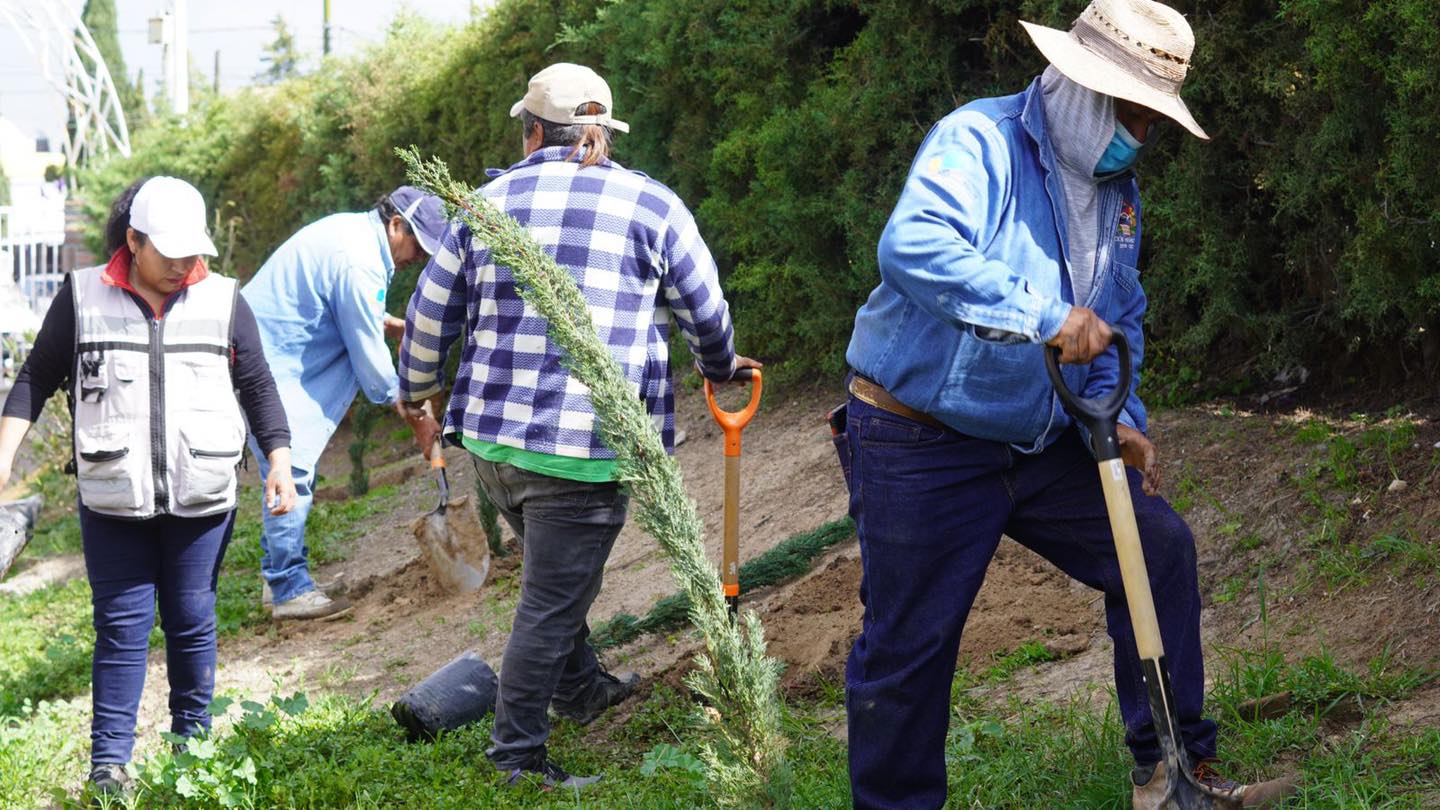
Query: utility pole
{"points": [[161, 29], [181, 59], [327, 28], [169, 31], [217, 71]]}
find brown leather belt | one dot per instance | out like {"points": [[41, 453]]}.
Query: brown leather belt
{"points": [[870, 392]]}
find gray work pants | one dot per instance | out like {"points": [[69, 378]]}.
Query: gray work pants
{"points": [[567, 529]]}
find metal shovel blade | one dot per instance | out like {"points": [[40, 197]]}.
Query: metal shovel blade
{"points": [[451, 538], [1182, 790], [455, 546]]}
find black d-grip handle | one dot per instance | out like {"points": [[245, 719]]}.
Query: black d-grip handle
{"points": [[1097, 415]]}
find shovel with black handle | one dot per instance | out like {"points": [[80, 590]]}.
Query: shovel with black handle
{"points": [[1183, 792]]}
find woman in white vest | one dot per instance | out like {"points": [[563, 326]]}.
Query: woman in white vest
{"points": [[163, 364]]}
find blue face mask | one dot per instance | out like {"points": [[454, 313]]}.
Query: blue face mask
{"points": [[1121, 154]]}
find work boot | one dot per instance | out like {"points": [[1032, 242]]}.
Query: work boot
{"points": [[545, 774], [1150, 785], [107, 785], [333, 588], [607, 691], [312, 605]]}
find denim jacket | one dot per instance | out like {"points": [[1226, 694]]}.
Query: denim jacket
{"points": [[973, 280]]}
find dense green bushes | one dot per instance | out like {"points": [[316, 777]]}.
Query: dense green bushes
{"points": [[1305, 233]]}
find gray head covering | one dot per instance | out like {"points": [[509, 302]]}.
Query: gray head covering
{"points": [[1081, 123]]}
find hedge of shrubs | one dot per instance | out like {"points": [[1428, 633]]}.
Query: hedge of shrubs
{"points": [[1304, 234]]}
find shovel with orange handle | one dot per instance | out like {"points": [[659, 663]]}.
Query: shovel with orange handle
{"points": [[460, 558], [732, 424]]}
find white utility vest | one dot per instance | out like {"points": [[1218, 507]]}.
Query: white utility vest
{"points": [[158, 429]]}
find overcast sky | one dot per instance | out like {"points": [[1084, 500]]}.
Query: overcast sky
{"points": [[239, 30]]}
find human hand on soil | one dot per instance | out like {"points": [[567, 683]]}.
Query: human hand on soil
{"points": [[1139, 452], [280, 483], [394, 327], [1083, 337]]}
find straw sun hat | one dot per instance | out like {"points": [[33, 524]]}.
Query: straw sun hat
{"points": [[1131, 49]]}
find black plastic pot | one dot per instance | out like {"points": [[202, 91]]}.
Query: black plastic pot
{"points": [[459, 693]]}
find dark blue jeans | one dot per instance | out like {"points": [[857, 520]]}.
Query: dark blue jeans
{"points": [[131, 563], [930, 506], [567, 529]]}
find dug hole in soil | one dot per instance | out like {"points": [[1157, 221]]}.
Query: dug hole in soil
{"points": [[404, 626]]}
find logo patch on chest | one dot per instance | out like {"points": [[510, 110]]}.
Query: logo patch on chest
{"points": [[1125, 228]]}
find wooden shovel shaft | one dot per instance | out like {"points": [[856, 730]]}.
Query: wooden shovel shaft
{"points": [[1132, 560], [730, 553]]}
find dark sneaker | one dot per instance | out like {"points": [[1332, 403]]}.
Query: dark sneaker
{"points": [[1150, 786], [107, 784], [547, 776], [607, 691]]}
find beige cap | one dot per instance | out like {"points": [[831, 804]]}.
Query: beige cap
{"points": [[559, 90], [1132, 49]]}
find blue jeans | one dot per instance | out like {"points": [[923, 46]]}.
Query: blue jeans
{"points": [[567, 529], [130, 563], [930, 506], [285, 563]]}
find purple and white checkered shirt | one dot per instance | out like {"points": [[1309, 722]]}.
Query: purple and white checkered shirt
{"points": [[636, 253]]}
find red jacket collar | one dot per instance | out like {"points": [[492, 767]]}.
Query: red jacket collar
{"points": [[117, 272]]}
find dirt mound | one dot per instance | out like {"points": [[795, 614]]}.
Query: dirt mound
{"points": [[1245, 483]]}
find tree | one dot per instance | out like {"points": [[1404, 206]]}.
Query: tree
{"points": [[100, 19], [282, 56]]}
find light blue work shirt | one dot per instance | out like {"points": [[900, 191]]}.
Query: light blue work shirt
{"points": [[974, 280], [320, 303]]}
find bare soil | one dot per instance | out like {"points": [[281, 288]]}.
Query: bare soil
{"points": [[1230, 468]]}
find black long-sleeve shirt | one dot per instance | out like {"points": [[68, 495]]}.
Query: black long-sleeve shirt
{"points": [[52, 359]]}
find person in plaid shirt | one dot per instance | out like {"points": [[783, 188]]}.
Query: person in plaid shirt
{"points": [[634, 249]]}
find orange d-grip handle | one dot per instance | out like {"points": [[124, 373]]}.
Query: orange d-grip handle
{"points": [[733, 423]]}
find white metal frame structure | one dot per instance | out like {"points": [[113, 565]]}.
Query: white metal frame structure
{"points": [[72, 64], [33, 253]]}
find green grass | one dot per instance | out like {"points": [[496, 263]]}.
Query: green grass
{"points": [[45, 647], [1343, 482], [338, 751], [333, 750]]}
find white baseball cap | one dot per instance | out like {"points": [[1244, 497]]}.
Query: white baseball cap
{"points": [[556, 92], [171, 213]]}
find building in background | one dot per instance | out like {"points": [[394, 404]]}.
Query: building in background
{"points": [[33, 253]]}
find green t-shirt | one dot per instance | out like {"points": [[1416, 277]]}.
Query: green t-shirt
{"points": [[592, 470]]}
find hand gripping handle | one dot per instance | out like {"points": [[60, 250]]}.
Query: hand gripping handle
{"points": [[1097, 415], [733, 423]]}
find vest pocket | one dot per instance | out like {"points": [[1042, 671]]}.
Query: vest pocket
{"points": [[107, 472], [205, 472]]}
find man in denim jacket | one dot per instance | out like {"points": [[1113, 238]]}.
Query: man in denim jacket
{"points": [[1018, 227]]}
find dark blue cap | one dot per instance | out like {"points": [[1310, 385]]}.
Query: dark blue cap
{"points": [[424, 213]]}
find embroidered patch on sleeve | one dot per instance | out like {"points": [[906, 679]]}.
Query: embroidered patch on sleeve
{"points": [[950, 169]]}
